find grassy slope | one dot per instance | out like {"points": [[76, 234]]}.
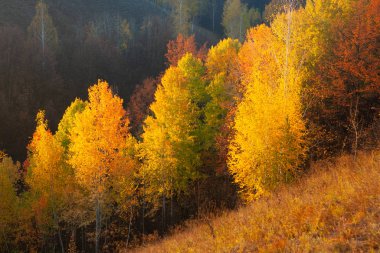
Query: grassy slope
{"points": [[334, 208]]}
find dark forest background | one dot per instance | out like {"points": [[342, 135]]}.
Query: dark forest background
{"points": [[121, 41]]}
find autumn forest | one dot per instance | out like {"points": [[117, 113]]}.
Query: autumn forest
{"points": [[121, 121]]}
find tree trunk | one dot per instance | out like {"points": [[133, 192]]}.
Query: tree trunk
{"points": [[129, 228], [59, 232], [355, 126], [97, 226], [163, 213]]}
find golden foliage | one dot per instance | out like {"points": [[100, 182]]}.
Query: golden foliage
{"points": [[46, 160], [50, 180], [98, 140], [223, 75], [223, 59], [268, 145], [169, 151]]}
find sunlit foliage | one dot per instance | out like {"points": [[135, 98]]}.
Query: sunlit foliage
{"points": [[170, 148], [241, 117], [268, 146], [224, 80], [99, 140]]}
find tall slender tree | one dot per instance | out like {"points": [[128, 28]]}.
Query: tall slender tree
{"points": [[224, 78], [42, 30], [48, 177], [269, 143], [99, 140], [171, 140]]}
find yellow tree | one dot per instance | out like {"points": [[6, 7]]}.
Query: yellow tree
{"points": [[48, 177], [223, 59], [170, 148], [309, 35], [9, 201], [223, 76], [268, 146], [99, 140], [77, 211]]}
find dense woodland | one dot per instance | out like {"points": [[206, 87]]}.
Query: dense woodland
{"points": [[129, 117], [121, 41]]}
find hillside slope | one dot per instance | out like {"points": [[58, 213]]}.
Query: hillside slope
{"points": [[334, 208]]}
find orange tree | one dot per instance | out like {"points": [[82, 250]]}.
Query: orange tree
{"points": [[99, 151]]}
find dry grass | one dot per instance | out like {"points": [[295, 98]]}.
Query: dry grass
{"points": [[335, 208]]}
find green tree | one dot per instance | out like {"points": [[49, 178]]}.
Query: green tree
{"points": [[67, 122], [223, 88], [171, 140]]}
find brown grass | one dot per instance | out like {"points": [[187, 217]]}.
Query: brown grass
{"points": [[334, 208]]}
